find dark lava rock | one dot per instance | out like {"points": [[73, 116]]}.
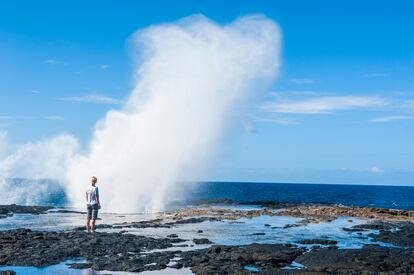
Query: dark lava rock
{"points": [[7, 272], [68, 211], [202, 241], [9, 210], [317, 241], [199, 231], [403, 235], [376, 225], [368, 260], [232, 259], [80, 265], [172, 236], [292, 225], [105, 251], [98, 226], [155, 223], [192, 220]]}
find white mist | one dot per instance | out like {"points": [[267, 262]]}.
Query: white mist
{"points": [[190, 76]]}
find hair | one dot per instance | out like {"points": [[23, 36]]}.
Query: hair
{"points": [[95, 179]]}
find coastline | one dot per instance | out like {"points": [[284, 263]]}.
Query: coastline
{"points": [[125, 246]]}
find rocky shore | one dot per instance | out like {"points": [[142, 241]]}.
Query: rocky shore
{"points": [[9, 210], [128, 252], [110, 251]]}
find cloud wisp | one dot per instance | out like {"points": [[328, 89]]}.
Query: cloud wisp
{"points": [[384, 119], [53, 62], [302, 80], [100, 99], [376, 170], [324, 105]]}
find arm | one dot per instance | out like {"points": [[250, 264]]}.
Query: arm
{"points": [[86, 193], [97, 197]]}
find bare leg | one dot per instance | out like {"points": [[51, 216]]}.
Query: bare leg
{"points": [[93, 226], [88, 227]]}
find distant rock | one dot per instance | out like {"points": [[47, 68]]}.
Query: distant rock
{"points": [[80, 265], [202, 241], [318, 241], [9, 210]]}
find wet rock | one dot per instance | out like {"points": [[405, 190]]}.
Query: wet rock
{"points": [[98, 226], [109, 251], [290, 225], [232, 259], [68, 211], [9, 210], [368, 260], [258, 234], [172, 236], [192, 220], [199, 231], [202, 241], [401, 234], [7, 272], [80, 265], [318, 241], [155, 223]]}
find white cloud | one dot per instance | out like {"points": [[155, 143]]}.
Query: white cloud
{"points": [[324, 105], [104, 66], [92, 99], [302, 80], [376, 170], [407, 104], [35, 92], [391, 118]]}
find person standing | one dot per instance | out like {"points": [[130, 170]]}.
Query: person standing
{"points": [[92, 205]]}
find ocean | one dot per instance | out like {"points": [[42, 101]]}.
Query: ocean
{"points": [[395, 197], [48, 192]]}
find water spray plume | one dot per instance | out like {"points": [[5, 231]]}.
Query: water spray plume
{"points": [[190, 76]]}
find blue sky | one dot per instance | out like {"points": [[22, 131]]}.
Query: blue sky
{"points": [[342, 110]]}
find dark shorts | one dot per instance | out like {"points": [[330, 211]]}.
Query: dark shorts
{"points": [[92, 211]]}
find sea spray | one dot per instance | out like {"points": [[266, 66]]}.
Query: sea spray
{"points": [[190, 76], [33, 173]]}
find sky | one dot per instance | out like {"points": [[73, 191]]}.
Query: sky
{"points": [[341, 110]]}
